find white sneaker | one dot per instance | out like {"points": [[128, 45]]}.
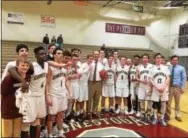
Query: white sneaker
{"points": [[132, 112], [117, 111], [61, 134], [65, 125], [126, 112], [44, 133], [138, 114]]}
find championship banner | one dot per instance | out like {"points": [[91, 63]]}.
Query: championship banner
{"points": [[47, 21], [125, 29], [15, 18]]}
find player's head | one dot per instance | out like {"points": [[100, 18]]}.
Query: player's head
{"points": [[22, 65], [74, 59], [51, 48], [136, 60], [157, 58], [145, 58], [89, 59], [122, 60], [58, 54], [116, 54], [76, 51], [40, 54], [101, 53], [96, 55], [110, 59], [66, 56], [22, 50], [129, 61], [174, 59]]}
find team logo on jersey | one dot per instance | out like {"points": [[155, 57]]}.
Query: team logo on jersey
{"points": [[144, 71], [159, 74], [58, 75], [39, 76]]}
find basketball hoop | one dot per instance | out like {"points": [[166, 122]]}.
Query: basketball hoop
{"points": [[81, 2]]}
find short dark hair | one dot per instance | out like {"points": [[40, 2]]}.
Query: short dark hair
{"points": [[66, 53], [75, 49], [136, 56], [56, 49], [162, 57], [174, 56], [74, 55], [115, 51], [51, 45], [145, 55], [20, 46], [157, 54], [88, 56], [110, 56], [122, 57], [37, 49]]}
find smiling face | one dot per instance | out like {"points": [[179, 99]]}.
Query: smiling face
{"points": [[23, 67], [41, 56]]}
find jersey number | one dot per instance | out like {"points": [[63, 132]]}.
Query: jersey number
{"points": [[159, 80], [122, 77]]}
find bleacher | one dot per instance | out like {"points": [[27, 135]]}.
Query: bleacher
{"points": [[9, 53]]}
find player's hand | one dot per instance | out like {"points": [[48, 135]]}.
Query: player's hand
{"points": [[181, 91], [69, 63], [145, 82], [49, 102]]}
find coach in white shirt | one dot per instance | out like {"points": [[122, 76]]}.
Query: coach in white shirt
{"points": [[95, 85]]}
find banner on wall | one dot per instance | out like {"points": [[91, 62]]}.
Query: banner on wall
{"points": [[125, 29], [15, 18], [183, 36], [47, 21]]}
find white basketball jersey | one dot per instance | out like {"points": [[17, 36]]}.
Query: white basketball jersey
{"points": [[111, 70], [84, 71], [58, 82], [144, 72], [104, 61], [159, 74], [133, 71], [122, 76], [38, 79]]}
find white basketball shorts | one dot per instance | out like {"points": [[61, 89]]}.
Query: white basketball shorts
{"points": [[143, 93], [108, 91], [59, 104], [122, 92], [83, 93]]}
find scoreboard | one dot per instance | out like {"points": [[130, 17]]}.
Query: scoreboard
{"points": [[183, 36]]}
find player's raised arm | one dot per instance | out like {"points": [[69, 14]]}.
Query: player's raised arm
{"points": [[55, 64]]}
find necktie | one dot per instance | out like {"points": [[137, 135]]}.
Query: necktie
{"points": [[95, 70], [172, 75]]}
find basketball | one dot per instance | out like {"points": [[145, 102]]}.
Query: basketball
{"points": [[103, 74]]}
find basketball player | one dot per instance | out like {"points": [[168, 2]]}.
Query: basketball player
{"points": [[134, 84], [23, 51], [73, 76], [37, 86], [108, 86], [84, 71], [116, 58], [144, 87], [122, 88], [160, 78], [102, 59], [57, 94], [77, 52]]}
